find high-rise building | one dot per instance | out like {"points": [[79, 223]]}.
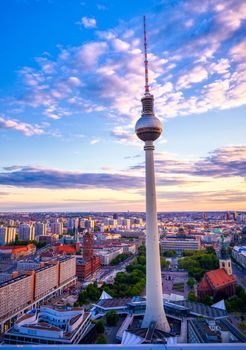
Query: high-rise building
{"points": [[40, 229], [7, 235], [73, 223], [56, 228], [26, 232], [89, 224], [148, 129], [88, 246]]}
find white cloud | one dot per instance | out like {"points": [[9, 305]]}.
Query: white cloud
{"points": [[74, 81], [108, 74], [88, 54], [94, 141], [221, 67], [238, 52], [88, 22], [120, 45], [25, 128], [197, 75]]}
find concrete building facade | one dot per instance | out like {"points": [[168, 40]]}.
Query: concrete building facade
{"points": [[179, 245]]}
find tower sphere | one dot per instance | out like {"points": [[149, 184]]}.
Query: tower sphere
{"points": [[148, 127]]}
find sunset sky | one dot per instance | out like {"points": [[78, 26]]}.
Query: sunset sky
{"points": [[72, 77]]}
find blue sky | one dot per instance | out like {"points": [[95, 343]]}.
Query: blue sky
{"points": [[70, 90]]}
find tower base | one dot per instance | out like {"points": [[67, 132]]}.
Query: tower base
{"points": [[158, 317]]}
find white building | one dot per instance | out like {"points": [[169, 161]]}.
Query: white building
{"points": [[56, 228], [239, 254], [50, 325], [26, 232], [40, 229], [7, 235], [179, 245], [107, 255]]}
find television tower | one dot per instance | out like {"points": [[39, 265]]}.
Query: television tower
{"points": [[148, 128]]}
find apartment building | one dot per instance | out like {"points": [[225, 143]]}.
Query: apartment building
{"points": [[67, 269], [21, 291], [179, 244], [15, 294]]}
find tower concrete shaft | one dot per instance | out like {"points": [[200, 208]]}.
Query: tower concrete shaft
{"points": [[154, 298]]}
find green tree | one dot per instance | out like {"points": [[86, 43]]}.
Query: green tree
{"points": [[141, 259], [101, 339], [93, 292], [208, 300], [188, 252], [198, 263], [119, 259], [100, 326], [112, 318], [169, 253], [210, 250], [191, 282], [21, 242], [82, 298], [164, 263], [192, 296], [141, 250]]}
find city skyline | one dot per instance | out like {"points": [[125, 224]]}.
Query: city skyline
{"points": [[72, 79]]}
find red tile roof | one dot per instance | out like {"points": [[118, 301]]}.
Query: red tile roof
{"points": [[17, 248], [68, 249], [220, 278], [204, 285]]}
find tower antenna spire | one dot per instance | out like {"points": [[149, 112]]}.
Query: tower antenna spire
{"points": [[146, 59]]}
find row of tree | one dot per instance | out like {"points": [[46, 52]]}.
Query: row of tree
{"points": [[198, 262], [119, 259], [21, 242], [132, 282]]}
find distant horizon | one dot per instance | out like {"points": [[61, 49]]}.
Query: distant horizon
{"points": [[119, 212]]}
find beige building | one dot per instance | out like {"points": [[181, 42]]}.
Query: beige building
{"points": [[179, 244], [108, 254], [19, 292], [46, 279], [15, 294], [67, 269]]}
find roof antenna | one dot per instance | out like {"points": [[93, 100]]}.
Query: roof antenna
{"points": [[146, 60]]}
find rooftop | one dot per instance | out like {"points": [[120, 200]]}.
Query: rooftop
{"points": [[220, 278], [202, 309], [210, 332], [116, 302]]}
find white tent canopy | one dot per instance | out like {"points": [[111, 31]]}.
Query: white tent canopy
{"points": [[105, 295], [220, 305]]}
